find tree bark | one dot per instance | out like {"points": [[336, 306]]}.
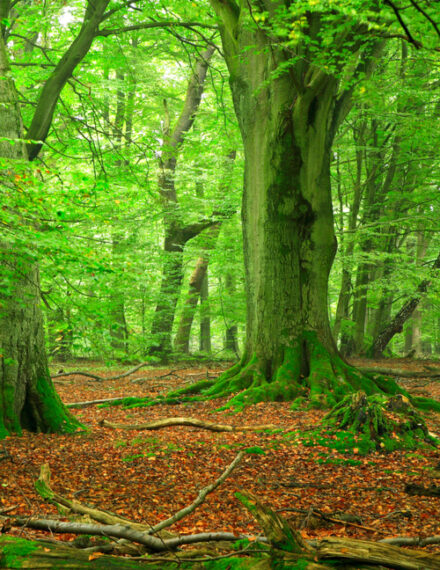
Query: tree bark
{"points": [[27, 396], [176, 232], [287, 121], [396, 325], [181, 343]]}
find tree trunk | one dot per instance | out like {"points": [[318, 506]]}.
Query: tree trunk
{"points": [[27, 396], [287, 126], [176, 232], [231, 342], [205, 316], [396, 324], [181, 343]]}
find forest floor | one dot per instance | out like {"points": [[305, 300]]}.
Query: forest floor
{"points": [[147, 476]]}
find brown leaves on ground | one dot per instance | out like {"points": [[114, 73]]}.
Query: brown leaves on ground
{"points": [[148, 476]]}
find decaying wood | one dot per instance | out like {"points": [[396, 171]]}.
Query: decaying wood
{"points": [[362, 551], [19, 553], [281, 536], [192, 422]]}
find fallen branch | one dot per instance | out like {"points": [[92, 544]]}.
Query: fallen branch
{"points": [[153, 543], [42, 486], [409, 541], [92, 402], [102, 378], [192, 422], [200, 498]]}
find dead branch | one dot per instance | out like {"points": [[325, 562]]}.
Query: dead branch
{"points": [[101, 378], [409, 541], [93, 402], [192, 422], [42, 485], [200, 498], [153, 543]]}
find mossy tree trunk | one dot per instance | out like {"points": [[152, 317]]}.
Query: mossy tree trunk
{"points": [[288, 121], [27, 397]]}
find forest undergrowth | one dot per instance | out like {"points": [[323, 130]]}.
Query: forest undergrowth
{"points": [[146, 476]]}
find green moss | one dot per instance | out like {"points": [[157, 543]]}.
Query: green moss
{"points": [[426, 404], [54, 415], [12, 551]]}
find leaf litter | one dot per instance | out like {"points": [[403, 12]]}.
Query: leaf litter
{"points": [[148, 476]]}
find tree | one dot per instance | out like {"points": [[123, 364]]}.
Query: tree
{"points": [[291, 91], [28, 397]]}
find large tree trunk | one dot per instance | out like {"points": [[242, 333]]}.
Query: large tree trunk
{"points": [[27, 397], [287, 125]]}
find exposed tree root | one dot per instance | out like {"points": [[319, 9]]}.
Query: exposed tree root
{"points": [[191, 422], [306, 370]]}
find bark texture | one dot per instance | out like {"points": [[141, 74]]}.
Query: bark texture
{"points": [[27, 397], [288, 121]]}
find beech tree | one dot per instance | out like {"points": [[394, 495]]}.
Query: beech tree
{"points": [[293, 68], [28, 399]]}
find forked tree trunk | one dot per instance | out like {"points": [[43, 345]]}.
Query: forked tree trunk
{"points": [[27, 397], [181, 343]]}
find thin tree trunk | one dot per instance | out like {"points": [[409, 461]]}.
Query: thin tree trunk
{"points": [[176, 232], [205, 317], [181, 343], [396, 325]]}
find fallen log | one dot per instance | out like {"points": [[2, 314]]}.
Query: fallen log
{"points": [[399, 372], [365, 552], [191, 422], [282, 537], [20, 553]]}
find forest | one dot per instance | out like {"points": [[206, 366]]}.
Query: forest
{"points": [[218, 222]]}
